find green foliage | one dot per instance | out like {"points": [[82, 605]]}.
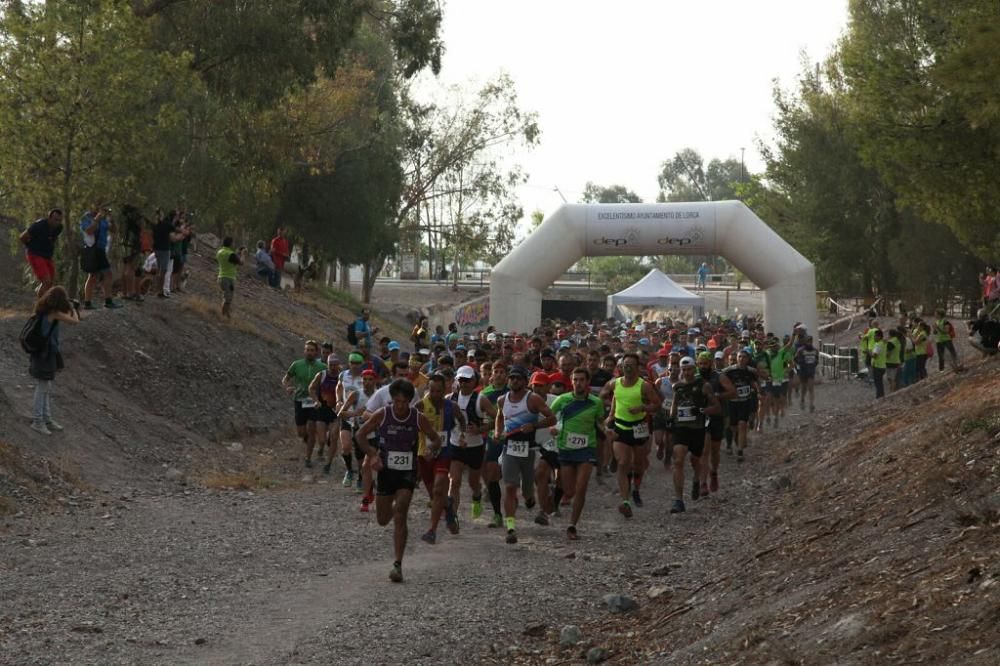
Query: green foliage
{"points": [[594, 193], [921, 81], [84, 104], [685, 177], [617, 273], [344, 299]]}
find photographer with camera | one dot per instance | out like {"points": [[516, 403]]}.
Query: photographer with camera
{"points": [[53, 307], [229, 260], [96, 226]]}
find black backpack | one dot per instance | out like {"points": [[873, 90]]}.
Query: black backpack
{"points": [[352, 337], [33, 341]]}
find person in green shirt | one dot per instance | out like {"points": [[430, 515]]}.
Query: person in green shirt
{"points": [[296, 383], [229, 259], [581, 416]]}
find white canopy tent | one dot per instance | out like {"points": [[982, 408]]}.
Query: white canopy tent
{"points": [[656, 290]]}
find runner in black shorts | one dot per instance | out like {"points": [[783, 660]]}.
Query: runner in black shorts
{"points": [[694, 399], [323, 390], [491, 467], [741, 406], [469, 452], [723, 389], [296, 382], [632, 401], [395, 462]]}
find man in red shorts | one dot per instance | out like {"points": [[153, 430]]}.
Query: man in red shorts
{"points": [[40, 246]]}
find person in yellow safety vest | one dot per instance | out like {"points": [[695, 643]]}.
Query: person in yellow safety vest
{"points": [[893, 358], [944, 335], [878, 353], [865, 342]]}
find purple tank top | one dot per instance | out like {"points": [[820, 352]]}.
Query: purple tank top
{"points": [[396, 435]]}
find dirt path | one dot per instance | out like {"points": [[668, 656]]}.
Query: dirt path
{"points": [[300, 576]]}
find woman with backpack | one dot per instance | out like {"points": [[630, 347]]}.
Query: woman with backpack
{"points": [[53, 307]]}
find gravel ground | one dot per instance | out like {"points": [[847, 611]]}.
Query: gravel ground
{"points": [[297, 575]]}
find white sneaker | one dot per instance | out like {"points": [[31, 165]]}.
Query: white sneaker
{"points": [[54, 427], [40, 427]]}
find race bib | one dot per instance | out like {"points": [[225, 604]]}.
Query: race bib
{"points": [[574, 441], [308, 403], [686, 414], [743, 391], [518, 449], [549, 445], [401, 461], [640, 430]]}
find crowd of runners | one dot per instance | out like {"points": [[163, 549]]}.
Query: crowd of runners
{"points": [[525, 421]]}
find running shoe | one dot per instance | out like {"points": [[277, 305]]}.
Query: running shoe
{"points": [[326, 468], [677, 506], [452, 525], [40, 427], [477, 509], [111, 305], [511, 536], [396, 575], [365, 505], [541, 519], [571, 533], [54, 427], [429, 537], [636, 499], [529, 503], [497, 521], [309, 463], [729, 448], [695, 489], [359, 486], [625, 509], [348, 478], [739, 456], [714, 481]]}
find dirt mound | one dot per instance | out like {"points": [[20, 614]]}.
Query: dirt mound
{"points": [[158, 386], [880, 547]]}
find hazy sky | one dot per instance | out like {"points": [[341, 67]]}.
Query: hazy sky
{"points": [[620, 85]]}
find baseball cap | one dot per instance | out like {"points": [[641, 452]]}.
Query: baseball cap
{"points": [[518, 371], [393, 346], [491, 337], [356, 358], [459, 347], [745, 333], [370, 373], [687, 361], [718, 355], [558, 378], [705, 356], [664, 351], [466, 372], [547, 352], [332, 359], [644, 341], [539, 378], [565, 344]]}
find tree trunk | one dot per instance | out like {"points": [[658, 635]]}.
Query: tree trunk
{"points": [[345, 277], [372, 268]]}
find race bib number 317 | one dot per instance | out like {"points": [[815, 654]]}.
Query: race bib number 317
{"points": [[517, 449]]}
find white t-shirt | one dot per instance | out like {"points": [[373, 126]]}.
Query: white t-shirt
{"points": [[381, 398]]}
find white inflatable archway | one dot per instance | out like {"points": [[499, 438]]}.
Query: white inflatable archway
{"points": [[726, 228]]}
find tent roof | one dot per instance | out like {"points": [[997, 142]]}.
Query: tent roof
{"points": [[656, 289]]}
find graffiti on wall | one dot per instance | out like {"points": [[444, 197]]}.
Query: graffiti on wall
{"points": [[473, 314]]}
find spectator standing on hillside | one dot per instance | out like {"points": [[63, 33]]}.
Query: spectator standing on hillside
{"points": [[229, 260], [97, 227], [265, 265], [39, 241], [183, 232], [879, 352], [53, 307], [363, 330], [131, 252], [944, 335], [280, 252], [163, 236]]}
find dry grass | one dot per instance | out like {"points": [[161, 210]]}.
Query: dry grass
{"points": [[208, 309], [253, 479], [7, 313]]}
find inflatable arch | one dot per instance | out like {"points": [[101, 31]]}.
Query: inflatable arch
{"points": [[726, 228]]}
